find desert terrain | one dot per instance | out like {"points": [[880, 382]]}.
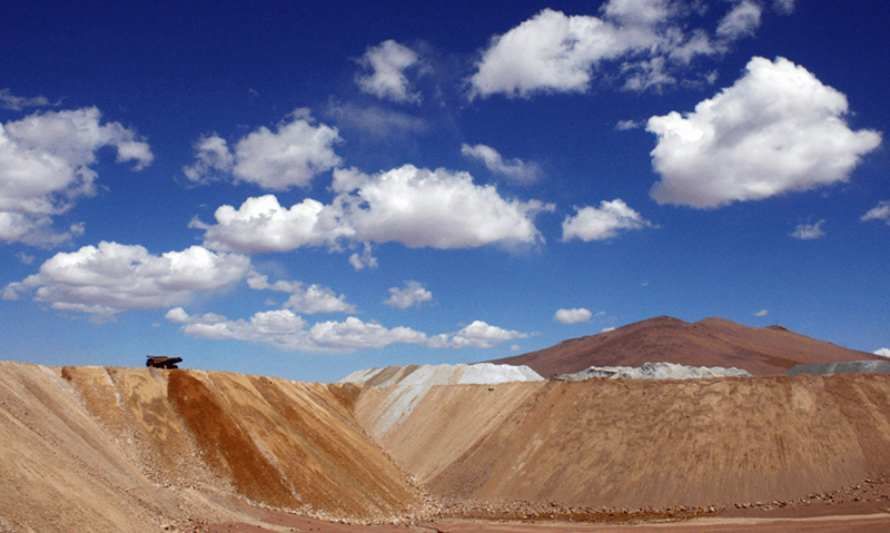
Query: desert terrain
{"points": [[484, 447], [771, 350]]}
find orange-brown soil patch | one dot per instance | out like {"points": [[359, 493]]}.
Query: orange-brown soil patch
{"points": [[226, 446]]}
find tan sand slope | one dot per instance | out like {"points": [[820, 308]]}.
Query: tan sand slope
{"points": [[443, 425], [396, 390], [710, 342], [101, 449], [646, 444], [96, 449]]}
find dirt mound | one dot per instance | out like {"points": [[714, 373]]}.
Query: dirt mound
{"points": [[655, 444], [400, 389], [110, 449], [444, 424], [711, 342], [96, 449]]}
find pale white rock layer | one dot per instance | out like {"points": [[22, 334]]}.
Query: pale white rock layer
{"points": [[408, 385], [655, 371]]}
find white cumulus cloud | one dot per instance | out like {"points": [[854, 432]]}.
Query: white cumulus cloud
{"points": [[477, 334], [385, 66], [306, 299], [878, 212], [410, 294], [261, 224], [110, 278], [762, 313], [46, 163], [556, 52], [353, 333], [291, 155], [575, 315], [777, 129], [551, 52], [883, 352], [437, 209], [809, 232], [412, 206], [213, 159], [515, 170], [603, 222], [288, 331]]}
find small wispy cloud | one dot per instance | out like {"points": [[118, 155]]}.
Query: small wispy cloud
{"points": [[17, 103], [809, 232], [879, 212], [574, 315], [410, 294], [26, 259], [629, 124], [515, 169]]}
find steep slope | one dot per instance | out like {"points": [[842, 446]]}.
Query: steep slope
{"points": [[115, 449], [647, 444], [710, 342], [392, 393], [444, 424], [59, 468]]}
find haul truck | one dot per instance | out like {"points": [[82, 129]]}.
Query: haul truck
{"points": [[162, 361]]}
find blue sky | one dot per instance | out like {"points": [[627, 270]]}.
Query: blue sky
{"points": [[474, 150]]}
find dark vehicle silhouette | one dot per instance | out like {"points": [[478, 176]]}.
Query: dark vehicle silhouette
{"points": [[162, 361]]}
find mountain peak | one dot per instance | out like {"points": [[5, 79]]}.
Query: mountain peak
{"points": [[712, 341]]}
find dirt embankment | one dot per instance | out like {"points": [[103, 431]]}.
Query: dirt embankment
{"points": [[646, 445], [99, 449], [96, 449]]}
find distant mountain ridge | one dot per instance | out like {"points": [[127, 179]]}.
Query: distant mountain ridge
{"points": [[770, 350]]}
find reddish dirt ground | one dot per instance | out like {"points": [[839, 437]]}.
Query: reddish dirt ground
{"points": [[710, 342]]}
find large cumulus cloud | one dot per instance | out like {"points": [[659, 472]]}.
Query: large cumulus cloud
{"points": [[775, 130]]}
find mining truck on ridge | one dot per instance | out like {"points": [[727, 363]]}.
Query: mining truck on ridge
{"points": [[162, 361]]}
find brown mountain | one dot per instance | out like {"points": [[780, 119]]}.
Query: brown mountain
{"points": [[709, 342]]}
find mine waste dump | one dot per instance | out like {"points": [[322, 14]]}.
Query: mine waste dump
{"points": [[709, 437]]}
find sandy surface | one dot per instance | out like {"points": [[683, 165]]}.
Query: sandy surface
{"points": [[406, 386], [870, 523], [634, 444], [101, 449], [866, 523], [439, 429], [711, 342], [111, 449]]}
